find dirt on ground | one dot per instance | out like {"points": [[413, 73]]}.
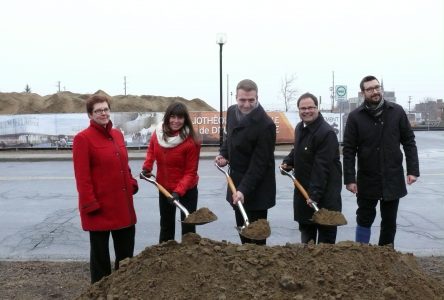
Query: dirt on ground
{"points": [[199, 268], [68, 102]]}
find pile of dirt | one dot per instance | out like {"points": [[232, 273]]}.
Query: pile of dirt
{"points": [[67, 102], [199, 268]]}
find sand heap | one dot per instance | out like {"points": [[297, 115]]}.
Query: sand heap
{"points": [[67, 102], [199, 268]]}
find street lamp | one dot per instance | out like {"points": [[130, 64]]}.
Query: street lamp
{"points": [[221, 39]]}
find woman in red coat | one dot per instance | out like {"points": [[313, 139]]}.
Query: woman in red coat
{"points": [[175, 149], [106, 187]]}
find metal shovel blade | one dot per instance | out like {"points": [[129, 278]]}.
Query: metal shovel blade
{"points": [[258, 230], [199, 217], [321, 216]]}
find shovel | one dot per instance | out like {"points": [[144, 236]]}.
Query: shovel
{"points": [[199, 217], [321, 216], [258, 230]]}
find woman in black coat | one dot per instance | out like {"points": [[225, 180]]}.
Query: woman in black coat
{"points": [[316, 165]]}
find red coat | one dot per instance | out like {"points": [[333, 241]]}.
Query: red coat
{"points": [[103, 179], [177, 166]]}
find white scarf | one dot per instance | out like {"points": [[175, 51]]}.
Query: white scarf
{"points": [[172, 141]]}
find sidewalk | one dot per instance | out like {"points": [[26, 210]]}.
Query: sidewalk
{"points": [[207, 152]]}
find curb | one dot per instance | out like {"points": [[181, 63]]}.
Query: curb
{"points": [[35, 157]]}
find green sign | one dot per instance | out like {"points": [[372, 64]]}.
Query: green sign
{"points": [[341, 93]]}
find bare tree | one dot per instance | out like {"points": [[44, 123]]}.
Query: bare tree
{"points": [[27, 89], [288, 91]]}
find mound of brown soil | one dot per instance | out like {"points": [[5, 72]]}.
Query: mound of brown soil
{"points": [[67, 102], [200, 268]]}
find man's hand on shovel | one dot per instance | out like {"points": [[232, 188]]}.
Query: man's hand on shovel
{"points": [[285, 167], [238, 197], [312, 204], [221, 161]]}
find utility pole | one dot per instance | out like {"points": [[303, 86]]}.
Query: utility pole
{"points": [[124, 85], [58, 86]]}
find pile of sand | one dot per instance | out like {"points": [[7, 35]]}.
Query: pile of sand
{"points": [[67, 102], [200, 268]]}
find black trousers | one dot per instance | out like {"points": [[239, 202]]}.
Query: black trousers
{"points": [[100, 261], [253, 215], [318, 233], [168, 215], [366, 213]]}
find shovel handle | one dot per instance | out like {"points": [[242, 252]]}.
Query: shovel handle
{"points": [[233, 190], [167, 194], [231, 184], [301, 189], [239, 204], [229, 180], [164, 191], [304, 193]]}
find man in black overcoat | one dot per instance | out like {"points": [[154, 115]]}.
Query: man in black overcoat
{"points": [[374, 133], [316, 165], [248, 147]]}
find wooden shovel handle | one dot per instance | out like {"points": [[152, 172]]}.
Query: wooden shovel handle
{"points": [[231, 184], [301, 189], [164, 191]]}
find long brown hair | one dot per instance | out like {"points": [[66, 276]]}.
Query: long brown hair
{"points": [[180, 110]]}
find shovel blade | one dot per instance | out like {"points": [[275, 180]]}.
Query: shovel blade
{"points": [[328, 217], [257, 230], [200, 217]]}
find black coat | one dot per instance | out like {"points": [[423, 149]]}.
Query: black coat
{"points": [[376, 142], [249, 147], [315, 158]]}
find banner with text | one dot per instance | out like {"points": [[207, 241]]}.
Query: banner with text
{"points": [[58, 130]]}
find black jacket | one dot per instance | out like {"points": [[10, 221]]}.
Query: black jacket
{"points": [[315, 158], [249, 147], [376, 142]]}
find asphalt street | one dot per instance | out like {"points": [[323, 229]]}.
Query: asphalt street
{"points": [[39, 218]]}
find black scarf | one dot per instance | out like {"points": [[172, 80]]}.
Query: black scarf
{"points": [[374, 110]]}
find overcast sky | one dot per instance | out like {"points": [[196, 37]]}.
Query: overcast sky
{"points": [[168, 48]]}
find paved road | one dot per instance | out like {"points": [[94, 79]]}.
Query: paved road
{"points": [[39, 218]]}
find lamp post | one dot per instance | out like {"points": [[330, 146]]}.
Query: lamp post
{"points": [[221, 39]]}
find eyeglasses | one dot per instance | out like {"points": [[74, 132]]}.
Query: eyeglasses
{"points": [[371, 89], [101, 111], [310, 108]]}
